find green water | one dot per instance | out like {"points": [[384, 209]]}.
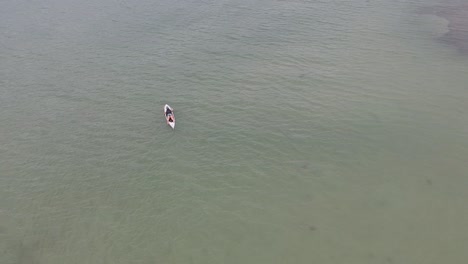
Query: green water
{"points": [[307, 132]]}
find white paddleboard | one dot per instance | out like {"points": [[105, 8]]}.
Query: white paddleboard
{"points": [[170, 117]]}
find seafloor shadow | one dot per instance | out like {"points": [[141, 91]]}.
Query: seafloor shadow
{"points": [[457, 17]]}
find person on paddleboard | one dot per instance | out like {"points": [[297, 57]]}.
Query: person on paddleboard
{"points": [[169, 115]]}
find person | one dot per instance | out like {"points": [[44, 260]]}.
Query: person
{"points": [[168, 111]]}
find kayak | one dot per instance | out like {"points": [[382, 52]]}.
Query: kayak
{"points": [[169, 114]]}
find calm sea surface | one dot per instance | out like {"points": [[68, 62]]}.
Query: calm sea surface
{"points": [[307, 132]]}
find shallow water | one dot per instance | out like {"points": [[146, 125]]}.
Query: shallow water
{"points": [[325, 132]]}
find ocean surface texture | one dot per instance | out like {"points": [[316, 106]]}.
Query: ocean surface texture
{"points": [[328, 132]]}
